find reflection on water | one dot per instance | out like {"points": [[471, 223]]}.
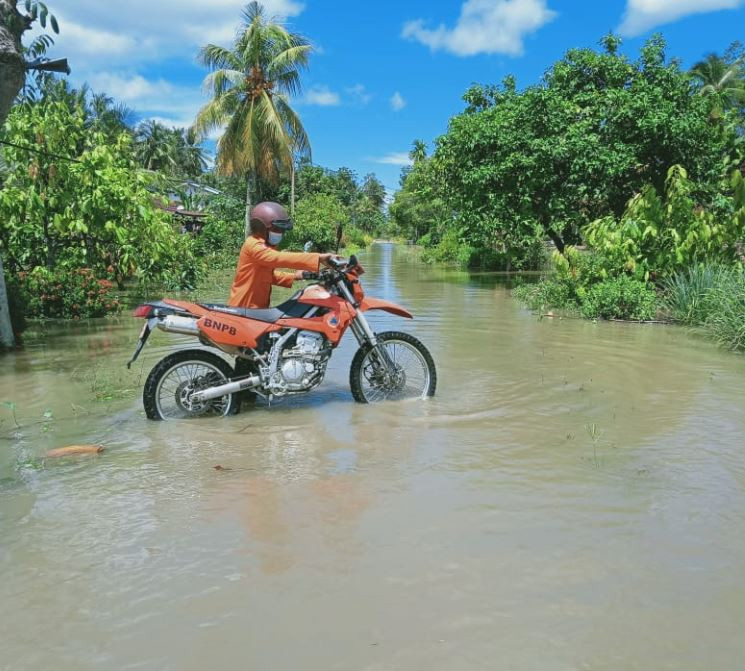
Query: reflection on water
{"points": [[570, 499]]}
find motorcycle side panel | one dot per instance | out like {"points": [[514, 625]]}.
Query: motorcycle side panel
{"points": [[226, 329], [193, 308], [378, 304], [321, 297], [332, 325]]}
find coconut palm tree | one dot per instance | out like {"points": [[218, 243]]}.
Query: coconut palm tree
{"points": [[191, 160], [155, 146], [723, 79], [418, 151], [250, 85]]}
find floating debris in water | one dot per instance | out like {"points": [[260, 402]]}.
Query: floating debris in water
{"points": [[73, 450]]}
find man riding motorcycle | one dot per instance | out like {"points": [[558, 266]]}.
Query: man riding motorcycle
{"points": [[259, 259], [257, 266]]}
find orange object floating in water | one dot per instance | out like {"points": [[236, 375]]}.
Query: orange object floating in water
{"points": [[74, 450]]}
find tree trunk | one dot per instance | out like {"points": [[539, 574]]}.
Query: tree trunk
{"points": [[292, 190], [12, 66], [6, 329], [249, 184], [12, 76], [556, 240]]}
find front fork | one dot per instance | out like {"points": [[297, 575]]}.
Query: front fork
{"points": [[365, 335]]}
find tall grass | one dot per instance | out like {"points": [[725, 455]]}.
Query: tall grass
{"points": [[727, 321], [712, 297], [688, 293]]}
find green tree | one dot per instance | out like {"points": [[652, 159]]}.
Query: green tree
{"points": [[93, 211], [316, 219], [418, 208], [155, 146], [418, 151], [373, 189], [545, 161], [250, 86], [722, 78]]}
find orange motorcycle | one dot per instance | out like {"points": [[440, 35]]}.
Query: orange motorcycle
{"points": [[281, 351]]}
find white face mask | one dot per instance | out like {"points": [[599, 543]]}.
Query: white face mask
{"points": [[273, 239]]}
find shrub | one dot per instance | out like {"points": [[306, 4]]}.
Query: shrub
{"points": [[688, 296], [545, 295], [219, 243], [726, 304], [583, 282], [660, 235], [620, 298], [316, 219], [356, 238], [71, 294]]}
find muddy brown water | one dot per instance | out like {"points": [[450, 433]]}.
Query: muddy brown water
{"points": [[572, 498]]}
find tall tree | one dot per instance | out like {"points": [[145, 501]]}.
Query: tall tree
{"points": [[13, 24], [250, 86], [418, 151], [374, 190], [723, 78], [156, 148]]}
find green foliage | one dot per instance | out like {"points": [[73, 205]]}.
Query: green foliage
{"points": [[220, 241], [418, 211], [251, 84], [657, 236], [712, 297], [521, 165], [71, 294], [723, 79], [316, 219], [94, 211], [621, 297], [688, 293], [172, 151], [726, 319], [583, 282]]}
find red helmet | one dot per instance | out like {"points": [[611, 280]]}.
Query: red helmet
{"points": [[266, 217]]}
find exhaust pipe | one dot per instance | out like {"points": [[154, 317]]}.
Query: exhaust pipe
{"points": [[183, 325], [225, 389]]}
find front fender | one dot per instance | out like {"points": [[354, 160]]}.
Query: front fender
{"points": [[378, 304]]}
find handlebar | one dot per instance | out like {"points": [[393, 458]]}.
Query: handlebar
{"points": [[336, 266]]}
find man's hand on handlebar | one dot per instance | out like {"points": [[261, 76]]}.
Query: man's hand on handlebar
{"points": [[330, 260]]}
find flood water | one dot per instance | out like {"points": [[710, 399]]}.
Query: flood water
{"points": [[572, 498]]}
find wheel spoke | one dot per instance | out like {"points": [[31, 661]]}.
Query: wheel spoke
{"points": [[410, 378], [174, 390]]}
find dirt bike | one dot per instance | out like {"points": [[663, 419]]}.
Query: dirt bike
{"points": [[281, 351]]}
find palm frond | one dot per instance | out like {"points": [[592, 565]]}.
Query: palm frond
{"points": [[217, 57], [220, 81]]}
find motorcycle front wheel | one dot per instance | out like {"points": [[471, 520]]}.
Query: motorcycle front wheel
{"points": [[168, 389], [399, 368]]}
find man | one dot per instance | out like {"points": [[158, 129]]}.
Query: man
{"points": [[257, 265]]}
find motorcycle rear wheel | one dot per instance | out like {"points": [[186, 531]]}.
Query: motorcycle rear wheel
{"points": [[416, 375], [167, 389]]}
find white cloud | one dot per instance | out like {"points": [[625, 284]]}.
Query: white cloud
{"points": [[642, 15], [397, 102], [131, 89], [485, 26], [359, 94], [92, 41], [149, 30], [396, 158], [321, 95]]}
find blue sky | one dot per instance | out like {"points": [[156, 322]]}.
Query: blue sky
{"points": [[384, 72]]}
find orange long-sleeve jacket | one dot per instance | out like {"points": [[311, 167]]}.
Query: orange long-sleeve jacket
{"points": [[257, 272]]}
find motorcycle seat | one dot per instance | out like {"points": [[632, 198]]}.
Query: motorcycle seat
{"points": [[270, 315]]}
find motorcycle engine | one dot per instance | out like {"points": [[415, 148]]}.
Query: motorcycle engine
{"points": [[304, 364]]}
